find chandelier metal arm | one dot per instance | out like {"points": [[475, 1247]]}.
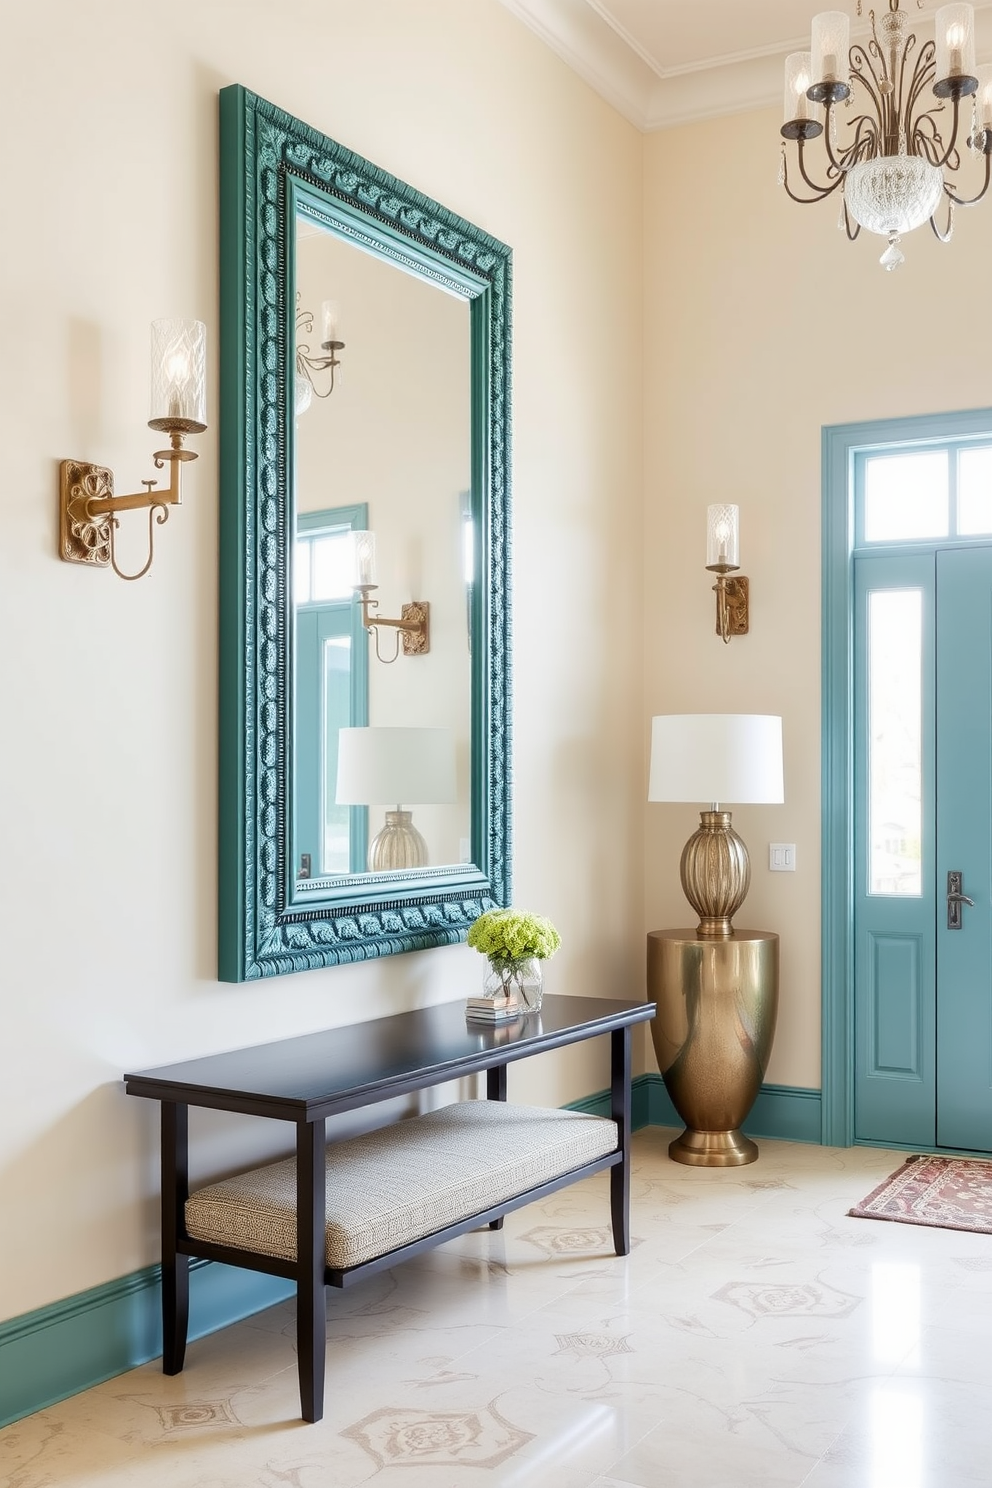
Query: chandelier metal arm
{"points": [[926, 71], [847, 225], [969, 201], [859, 57], [951, 150], [820, 192], [863, 146], [945, 236]]}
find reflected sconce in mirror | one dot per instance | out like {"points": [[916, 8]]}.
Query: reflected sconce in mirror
{"points": [[87, 505], [413, 627], [312, 370], [415, 765], [723, 546]]}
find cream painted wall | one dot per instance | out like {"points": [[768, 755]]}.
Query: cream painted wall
{"points": [[108, 794], [762, 325]]}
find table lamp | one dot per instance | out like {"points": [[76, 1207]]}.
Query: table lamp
{"points": [[411, 765], [716, 757]]}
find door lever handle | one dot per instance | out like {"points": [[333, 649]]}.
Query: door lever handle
{"points": [[955, 899]]}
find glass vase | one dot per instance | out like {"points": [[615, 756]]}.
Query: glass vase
{"points": [[523, 979]]}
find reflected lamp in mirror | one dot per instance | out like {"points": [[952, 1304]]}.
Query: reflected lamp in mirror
{"points": [[719, 758], [723, 544], [411, 766], [88, 507], [315, 374], [413, 628]]}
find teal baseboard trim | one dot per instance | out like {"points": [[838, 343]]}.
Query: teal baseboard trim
{"points": [[74, 1344], [786, 1112], [640, 1102]]}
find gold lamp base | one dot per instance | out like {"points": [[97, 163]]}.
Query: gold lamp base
{"points": [[716, 873], [397, 845]]}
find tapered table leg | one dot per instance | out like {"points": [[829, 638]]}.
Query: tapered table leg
{"points": [[311, 1316], [175, 1267], [621, 1046], [496, 1091]]}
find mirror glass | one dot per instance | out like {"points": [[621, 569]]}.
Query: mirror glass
{"points": [[382, 444], [365, 706]]}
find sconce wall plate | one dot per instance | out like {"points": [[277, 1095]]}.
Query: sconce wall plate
{"points": [[738, 606], [416, 642], [84, 537]]}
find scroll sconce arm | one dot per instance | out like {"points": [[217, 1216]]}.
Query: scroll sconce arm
{"points": [[413, 628], [89, 510]]}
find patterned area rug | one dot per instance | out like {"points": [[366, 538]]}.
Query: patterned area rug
{"points": [[949, 1193]]}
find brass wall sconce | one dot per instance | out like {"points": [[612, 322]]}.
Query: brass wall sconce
{"points": [[413, 636], [723, 558], [311, 369], [87, 505]]}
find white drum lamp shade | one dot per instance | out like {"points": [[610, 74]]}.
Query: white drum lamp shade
{"points": [[405, 766], [732, 757]]}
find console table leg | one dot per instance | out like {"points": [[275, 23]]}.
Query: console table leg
{"points": [[621, 1046], [496, 1090], [311, 1315], [175, 1267]]}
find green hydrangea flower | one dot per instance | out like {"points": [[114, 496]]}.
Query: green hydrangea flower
{"points": [[513, 935]]}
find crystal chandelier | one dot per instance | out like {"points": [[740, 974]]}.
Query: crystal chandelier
{"points": [[908, 126]]}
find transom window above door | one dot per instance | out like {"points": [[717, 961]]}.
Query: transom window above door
{"points": [[930, 494]]}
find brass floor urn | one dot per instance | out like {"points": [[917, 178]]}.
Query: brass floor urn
{"points": [[717, 1003]]}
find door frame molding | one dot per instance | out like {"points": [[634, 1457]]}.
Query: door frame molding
{"points": [[839, 443]]}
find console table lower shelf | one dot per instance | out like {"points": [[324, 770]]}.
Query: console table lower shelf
{"points": [[340, 1211]]}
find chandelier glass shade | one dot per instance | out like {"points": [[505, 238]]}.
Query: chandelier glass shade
{"points": [[913, 113]]}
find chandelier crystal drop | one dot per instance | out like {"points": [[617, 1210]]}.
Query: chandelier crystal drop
{"points": [[895, 160]]}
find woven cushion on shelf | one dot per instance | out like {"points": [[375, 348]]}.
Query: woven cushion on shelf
{"points": [[389, 1187]]}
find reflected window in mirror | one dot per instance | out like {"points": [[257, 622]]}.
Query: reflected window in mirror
{"points": [[332, 691]]}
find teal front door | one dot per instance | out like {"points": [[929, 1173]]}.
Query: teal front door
{"points": [[923, 834]]}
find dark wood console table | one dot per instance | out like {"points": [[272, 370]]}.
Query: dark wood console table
{"points": [[307, 1079]]}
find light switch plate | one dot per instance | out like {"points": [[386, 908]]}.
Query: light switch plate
{"points": [[782, 857]]}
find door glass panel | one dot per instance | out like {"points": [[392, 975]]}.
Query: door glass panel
{"points": [[336, 845], [895, 777], [332, 567], [906, 496], [975, 491]]}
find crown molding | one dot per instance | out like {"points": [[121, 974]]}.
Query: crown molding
{"points": [[614, 63]]}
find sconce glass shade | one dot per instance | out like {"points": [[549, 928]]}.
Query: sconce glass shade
{"points": [[401, 766], [983, 99], [363, 559], [955, 36], [179, 373], [731, 757], [798, 77], [723, 540], [831, 42], [330, 323]]}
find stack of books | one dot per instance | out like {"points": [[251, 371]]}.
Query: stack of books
{"points": [[492, 1009]]}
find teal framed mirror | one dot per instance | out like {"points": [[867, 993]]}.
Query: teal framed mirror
{"points": [[365, 380]]}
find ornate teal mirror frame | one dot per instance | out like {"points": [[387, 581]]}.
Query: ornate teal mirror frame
{"points": [[272, 168]]}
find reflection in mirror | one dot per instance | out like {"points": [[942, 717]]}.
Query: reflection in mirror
{"points": [[382, 443]]}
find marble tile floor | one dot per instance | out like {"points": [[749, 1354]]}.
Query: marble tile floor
{"points": [[754, 1336]]}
